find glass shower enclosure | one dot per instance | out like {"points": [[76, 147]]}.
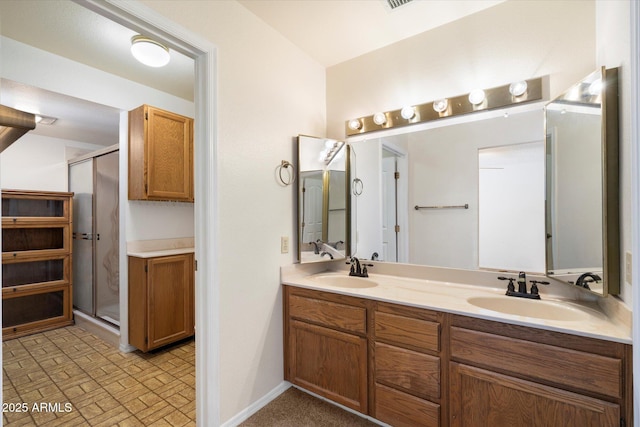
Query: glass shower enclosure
{"points": [[96, 283]]}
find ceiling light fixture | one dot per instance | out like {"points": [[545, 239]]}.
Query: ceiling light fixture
{"points": [[379, 119], [408, 113], [440, 105], [355, 124], [518, 88], [45, 120], [149, 52], [476, 96]]}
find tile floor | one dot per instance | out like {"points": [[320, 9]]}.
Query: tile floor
{"points": [[83, 381]]}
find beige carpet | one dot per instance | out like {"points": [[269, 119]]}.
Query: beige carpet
{"points": [[294, 408]]}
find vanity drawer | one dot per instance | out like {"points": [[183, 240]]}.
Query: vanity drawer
{"points": [[328, 313], [573, 369], [410, 371], [419, 334], [403, 410]]}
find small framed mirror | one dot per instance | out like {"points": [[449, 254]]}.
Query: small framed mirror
{"points": [[582, 195], [323, 202]]}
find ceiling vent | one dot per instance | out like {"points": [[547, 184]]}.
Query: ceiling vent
{"points": [[396, 3]]}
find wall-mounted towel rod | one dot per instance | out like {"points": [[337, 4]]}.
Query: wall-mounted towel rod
{"points": [[465, 206]]}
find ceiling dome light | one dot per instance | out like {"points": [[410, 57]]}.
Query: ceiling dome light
{"points": [[518, 88], [149, 52], [355, 124], [379, 119], [408, 113], [476, 96], [440, 105]]}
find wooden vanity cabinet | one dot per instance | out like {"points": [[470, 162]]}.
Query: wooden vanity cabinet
{"points": [[429, 368], [326, 345], [161, 300], [160, 155], [36, 261], [406, 366], [507, 375]]}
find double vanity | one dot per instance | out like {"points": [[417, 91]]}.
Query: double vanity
{"points": [[440, 326], [425, 346]]}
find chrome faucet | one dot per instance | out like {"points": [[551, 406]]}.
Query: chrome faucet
{"points": [[357, 269], [583, 281]]}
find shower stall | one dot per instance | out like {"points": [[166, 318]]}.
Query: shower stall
{"points": [[94, 180]]}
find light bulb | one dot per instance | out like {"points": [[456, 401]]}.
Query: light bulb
{"points": [[355, 124], [408, 113], [440, 105], [595, 88], [518, 88], [379, 119], [476, 96]]}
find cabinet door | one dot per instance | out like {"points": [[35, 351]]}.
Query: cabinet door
{"points": [[330, 363], [169, 156], [483, 398], [169, 293]]}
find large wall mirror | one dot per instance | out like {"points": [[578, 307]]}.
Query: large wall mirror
{"points": [[582, 184], [323, 204], [466, 194]]}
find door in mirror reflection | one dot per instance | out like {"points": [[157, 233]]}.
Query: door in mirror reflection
{"points": [[323, 206]]}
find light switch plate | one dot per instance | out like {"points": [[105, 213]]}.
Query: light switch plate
{"points": [[284, 244], [627, 267]]}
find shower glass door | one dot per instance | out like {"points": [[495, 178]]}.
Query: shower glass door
{"points": [[107, 288], [96, 275]]}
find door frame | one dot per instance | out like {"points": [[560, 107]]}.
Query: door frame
{"points": [[141, 18]]}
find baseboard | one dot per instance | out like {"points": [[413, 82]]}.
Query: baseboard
{"points": [[257, 405]]}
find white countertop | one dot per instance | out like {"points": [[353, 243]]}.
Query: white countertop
{"points": [[452, 297], [160, 247]]}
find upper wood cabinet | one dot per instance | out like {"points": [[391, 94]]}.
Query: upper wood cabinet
{"points": [[160, 155]]}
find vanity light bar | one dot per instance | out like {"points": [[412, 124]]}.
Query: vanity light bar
{"points": [[497, 97]]}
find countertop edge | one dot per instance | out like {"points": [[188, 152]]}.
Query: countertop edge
{"points": [[299, 281]]}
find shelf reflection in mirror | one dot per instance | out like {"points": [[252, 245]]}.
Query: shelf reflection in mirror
{"points": [[323, 205]]}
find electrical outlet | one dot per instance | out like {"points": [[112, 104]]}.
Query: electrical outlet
{"points": [[627, 267], [284, 244]]}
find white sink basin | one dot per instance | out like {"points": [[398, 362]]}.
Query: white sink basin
{"points": [[345, 281], [539, 309]]}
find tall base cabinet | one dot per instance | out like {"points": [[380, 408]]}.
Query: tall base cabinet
{"points": [[36, 262]]}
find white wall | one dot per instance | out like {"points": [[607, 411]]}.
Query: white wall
{"points": [[268, 92], [511, 41], [36, 162]]}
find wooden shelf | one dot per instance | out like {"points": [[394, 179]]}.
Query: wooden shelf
{"points": [[36, 262]]}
